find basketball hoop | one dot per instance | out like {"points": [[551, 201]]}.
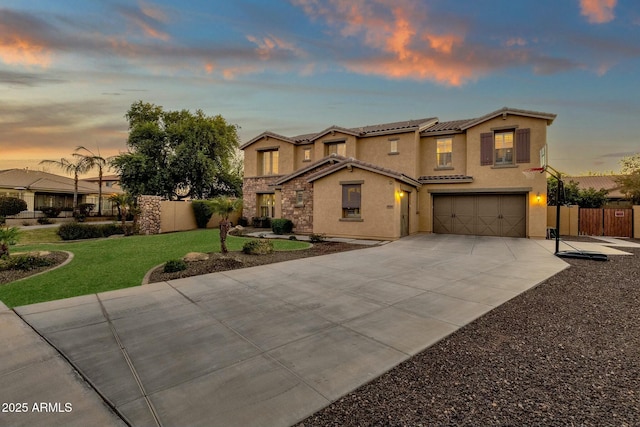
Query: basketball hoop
{"points": [[532, 172]]}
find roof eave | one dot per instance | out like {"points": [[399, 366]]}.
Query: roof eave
{"points": [[549, 117]]}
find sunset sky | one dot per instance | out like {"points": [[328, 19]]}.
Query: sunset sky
{"points": [[69, 70]]}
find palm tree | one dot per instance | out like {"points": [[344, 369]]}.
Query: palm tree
{"points": [[225, 206], [125, 205], [80, 166], [93, 160]]}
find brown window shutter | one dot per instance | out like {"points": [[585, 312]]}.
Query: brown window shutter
{"points": [[523, 145], [486, 148]]}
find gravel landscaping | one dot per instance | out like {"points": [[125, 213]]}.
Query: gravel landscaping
{"points": [[564, 353]]}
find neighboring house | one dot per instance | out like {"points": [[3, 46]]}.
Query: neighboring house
{"points": [[109, 182], [46, 189], [607, 182], [390, 180]]}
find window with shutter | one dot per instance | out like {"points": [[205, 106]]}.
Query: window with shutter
{"points": [[523, 146], [486, 149]]}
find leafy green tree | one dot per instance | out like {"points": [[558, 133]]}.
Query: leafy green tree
{"points": [[630, 164], [76, 168], [630, 180], [630, 186], [177, 154], [573, 195], [225, 206]]}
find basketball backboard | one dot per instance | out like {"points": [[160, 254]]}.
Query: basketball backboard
{"points": [[544, 156]]}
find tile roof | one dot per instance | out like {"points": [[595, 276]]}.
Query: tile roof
{"points": [[444, 179], [428, 126], [369, 130], [453, 125], [366, 166], [43, 181], [608, 182], [514, 111], [327, 159]]}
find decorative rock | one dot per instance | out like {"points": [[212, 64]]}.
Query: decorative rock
{"points": [[195, 256]]}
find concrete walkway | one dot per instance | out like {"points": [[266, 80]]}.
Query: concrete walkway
{"points": [[266, 345]]}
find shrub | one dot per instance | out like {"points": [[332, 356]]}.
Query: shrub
{"points": [[76, 231], [43, 220], [11, 205], [258, 247], [86, 208], [293, 238], [202, 211], [243, 221], [316, 238], [281, 226], [261, 222], [24, 263], [50, 211], [2, 220], [174, 265]]}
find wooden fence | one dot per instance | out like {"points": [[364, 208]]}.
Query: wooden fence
{"points": [[612, 222], [606, 222]]}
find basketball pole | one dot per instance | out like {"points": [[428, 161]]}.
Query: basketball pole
{"points": [[560, 188]]}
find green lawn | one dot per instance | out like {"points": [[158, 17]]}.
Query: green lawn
{"points": [[107, 264], [39, 235]]}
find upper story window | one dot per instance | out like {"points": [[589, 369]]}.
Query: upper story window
{"points": [[503, 146], [393, 146], [444, 152], [339, 148], [306, 155], [269, 162]]}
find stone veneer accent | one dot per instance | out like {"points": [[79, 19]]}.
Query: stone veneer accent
{"points": [[250, 189], [150, 210], [301, 216]]}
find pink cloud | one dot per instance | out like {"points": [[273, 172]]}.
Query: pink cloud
{"points": [[399, 31], [598, 11], [18, 50], [269, 44]]}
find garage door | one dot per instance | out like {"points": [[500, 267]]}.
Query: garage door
{"points": [[483, 215]]}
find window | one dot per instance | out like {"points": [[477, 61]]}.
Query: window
{"points": [[267, 203], [307, 155], [503, 146], [393, 146], [299, 197], [351, 200], [339, 148], [443, 152], [270, 162]]}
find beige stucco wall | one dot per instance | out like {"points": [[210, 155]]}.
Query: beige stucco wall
{"points": [[380, 201], [569, 218], [350, 140], [429, 158], [178, 216], [375, 150], [286, 154]]}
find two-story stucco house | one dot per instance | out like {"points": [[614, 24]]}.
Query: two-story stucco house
{"points": [[390, 180]]}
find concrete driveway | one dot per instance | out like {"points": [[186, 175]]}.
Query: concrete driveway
{"points": [[266, 345]]}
